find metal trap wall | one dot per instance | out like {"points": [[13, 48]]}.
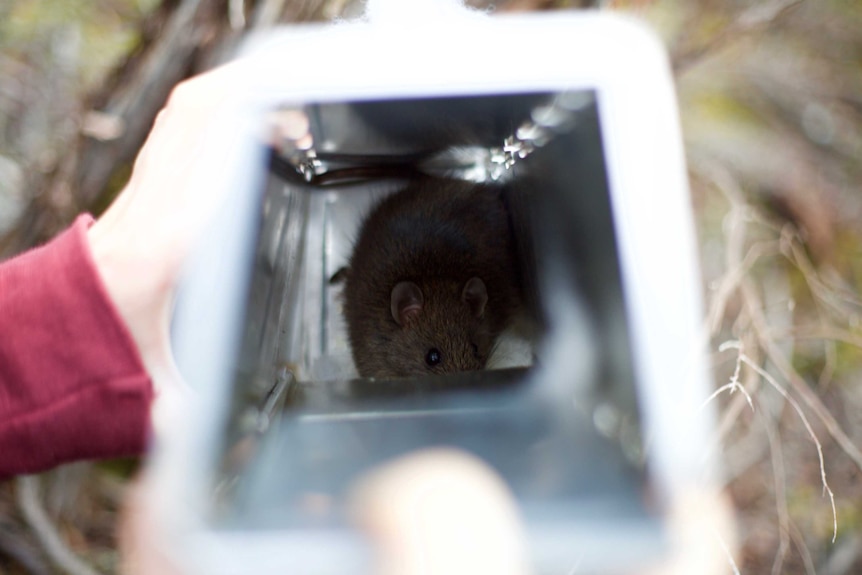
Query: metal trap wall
{"points": [[559, 390]]}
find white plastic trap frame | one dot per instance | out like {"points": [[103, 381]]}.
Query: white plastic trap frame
{"points": [[596, 422]]}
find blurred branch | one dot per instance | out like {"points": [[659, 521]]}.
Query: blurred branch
{"points": [[731, 281], [779, 477], [736, 267], [804, 552], [138, 101], [824, 332], [14, 545], [735, 303], [799, 385], [753, 20], [44, 529], [267, 12], [132, 100], [798, 409], [844, 556], [236, 14], [842, 303], [734, 279]]}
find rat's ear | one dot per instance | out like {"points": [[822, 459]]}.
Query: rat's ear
{"points": [[340, 276], [406, 302], [475, 295]]}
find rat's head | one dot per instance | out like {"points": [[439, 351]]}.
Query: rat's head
{"points": [[442, 327]]}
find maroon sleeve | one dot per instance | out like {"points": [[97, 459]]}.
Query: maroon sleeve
{"points": [[72, 384]]}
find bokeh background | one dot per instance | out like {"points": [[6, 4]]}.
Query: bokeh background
{"points": [[770, 95]]}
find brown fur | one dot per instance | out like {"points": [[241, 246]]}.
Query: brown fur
{"points": [[437, 234]]}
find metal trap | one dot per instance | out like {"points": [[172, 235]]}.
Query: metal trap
{"points": [[573, 409]]}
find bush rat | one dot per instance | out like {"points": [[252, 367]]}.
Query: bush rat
{"points": [[432, 280]]}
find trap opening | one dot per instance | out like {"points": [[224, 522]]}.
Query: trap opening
{"points": [[556, 412]]}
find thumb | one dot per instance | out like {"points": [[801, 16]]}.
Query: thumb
{"points": [[440, 511]]}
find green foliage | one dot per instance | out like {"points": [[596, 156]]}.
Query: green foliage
{"points": [[115, 186], [125, 468], [101, 32], [848, 256]]}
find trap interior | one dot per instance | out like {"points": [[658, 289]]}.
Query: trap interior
{"points": [[558, 418]]}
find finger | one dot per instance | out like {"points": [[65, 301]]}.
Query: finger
{"points": [[125, 201], [702, 536], [179, 131], [440, 511]]}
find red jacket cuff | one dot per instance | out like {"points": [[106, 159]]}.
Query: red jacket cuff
{"points": [[72, 384]]}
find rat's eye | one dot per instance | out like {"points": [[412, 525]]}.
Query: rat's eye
{"points": [[433, 357]]}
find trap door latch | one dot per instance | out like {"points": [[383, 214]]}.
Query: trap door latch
{"points": [[296, 158]]}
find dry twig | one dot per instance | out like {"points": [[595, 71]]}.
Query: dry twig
{"points": [[752, 326], [797, 383], [799, 542], [752, 307], [780, 480], [798, 409]]}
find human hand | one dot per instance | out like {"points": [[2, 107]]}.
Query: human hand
{"points": [[142, 240], [437, 511], [441, 511], [139, 245], [702, 535]]}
